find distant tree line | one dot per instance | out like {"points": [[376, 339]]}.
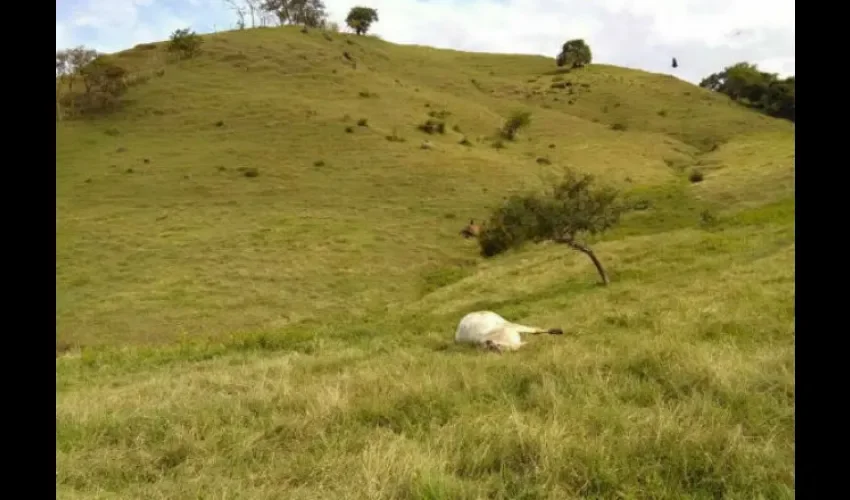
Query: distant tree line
{"points": [[742, 82], [746, 84]]}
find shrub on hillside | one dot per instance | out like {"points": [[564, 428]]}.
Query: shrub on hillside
{"points": [[517, 120], [432, 126], [572, 208], [104, 82], [394, 137], [696, 176], [185, 43]]}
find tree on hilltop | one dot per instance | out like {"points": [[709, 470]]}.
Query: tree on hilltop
{"points": [[572, 208], [310, 13], [574, 54], [360, 19]]}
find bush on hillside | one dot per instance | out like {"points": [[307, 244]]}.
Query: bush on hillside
{"points": [[104, 82], [432, 126], [517, 120], [696, 176], [574, 54], [394, 137], [69, 64], [185, 43], [571, 209]]}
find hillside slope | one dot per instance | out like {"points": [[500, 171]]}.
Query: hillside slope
{"points": [[289, 335], [346, 223]]}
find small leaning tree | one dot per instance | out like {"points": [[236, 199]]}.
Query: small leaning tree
{"points": [[571, 209]]}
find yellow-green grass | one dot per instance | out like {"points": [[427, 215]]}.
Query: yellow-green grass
{"points": [[289, 335]]}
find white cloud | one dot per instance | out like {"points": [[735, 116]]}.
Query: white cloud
{"points": [[113, 25], [61, 37], [703, 35]]}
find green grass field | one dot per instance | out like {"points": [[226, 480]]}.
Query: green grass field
{"points": [[289, 335]]}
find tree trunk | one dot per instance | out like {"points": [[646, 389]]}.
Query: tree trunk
{"points": [[587, 251], [58, 105]]}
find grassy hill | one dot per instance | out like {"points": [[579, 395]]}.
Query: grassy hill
{"points": [[289, 334]]}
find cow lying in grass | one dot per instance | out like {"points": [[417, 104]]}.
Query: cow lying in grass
{"points": [[488, 329]]}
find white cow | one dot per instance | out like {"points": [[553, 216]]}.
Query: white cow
{"points": [[488, 329]]}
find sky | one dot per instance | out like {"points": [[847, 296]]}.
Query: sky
{"points": [[703, 35]]}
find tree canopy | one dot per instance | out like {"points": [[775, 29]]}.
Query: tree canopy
{"points": [[745, 83], [360, 19], [571, 209], [310, 13], [574, 54]]}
